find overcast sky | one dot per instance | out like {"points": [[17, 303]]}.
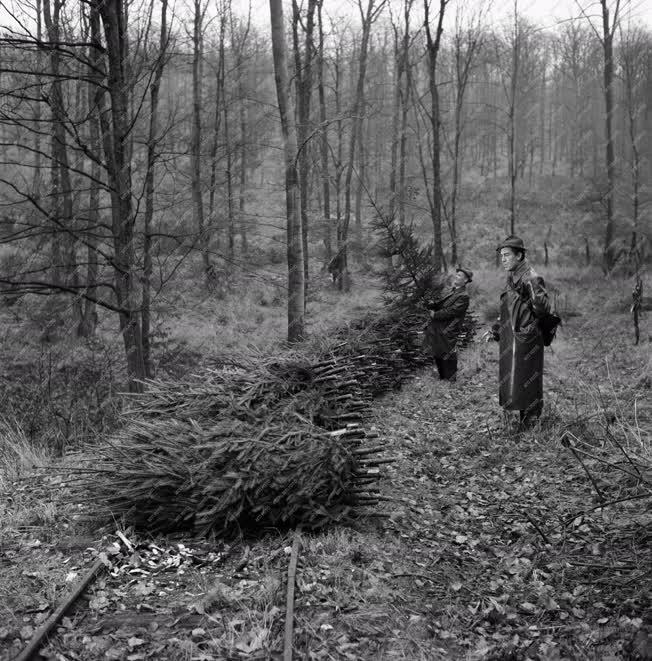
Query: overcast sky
{"points": [[543, 12], [546, 13]]}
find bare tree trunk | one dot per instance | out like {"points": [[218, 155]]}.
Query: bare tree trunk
{"points": [[360, 184], [633, 65], [196, 139], [303, 74], [152, 157], [116, 128], [340, 144], [219, 96], [295, 260], [325, 176], [394, 145], [36, 183], [512, 121], [363, 139], [367, 18], [433, 46], [243, 177], [95, 96], [465, 49], [404, 94], [65, 223], [239, 40], [608, 74], [542, 112], [230, 220], [554, 133]]}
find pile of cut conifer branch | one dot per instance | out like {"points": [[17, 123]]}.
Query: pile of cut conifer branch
{"points": [[268, 441], [259, 442], [169, 475]]}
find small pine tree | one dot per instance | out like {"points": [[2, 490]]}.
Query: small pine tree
{"points": [[411, 282]]}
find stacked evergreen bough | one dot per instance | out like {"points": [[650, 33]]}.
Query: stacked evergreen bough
{"points": [[264, 442], [170, 475]]}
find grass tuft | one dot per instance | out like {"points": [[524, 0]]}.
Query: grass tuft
{"points": [[18, 455]]}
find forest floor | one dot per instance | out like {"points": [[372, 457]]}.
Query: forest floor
{"points": [[495, 544]]}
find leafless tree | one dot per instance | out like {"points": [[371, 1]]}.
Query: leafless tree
{"points": [[605, 34], [303, 68], [368, 14], [433, 45], [292, 200], [467, 41]]}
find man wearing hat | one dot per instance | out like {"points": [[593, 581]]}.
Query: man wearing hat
{"points": [[522, 303], [445, 324]]}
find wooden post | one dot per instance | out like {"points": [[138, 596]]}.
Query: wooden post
{"points": [[587, 251], [637, 297], [289, 605]]}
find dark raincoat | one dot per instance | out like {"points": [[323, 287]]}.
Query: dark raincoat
{"points": [[446, 323], [521, 342]]}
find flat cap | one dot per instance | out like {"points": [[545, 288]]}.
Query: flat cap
{"points": [[512, 241], [467, 272]]}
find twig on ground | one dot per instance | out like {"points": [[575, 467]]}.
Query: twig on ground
{"points": [[606, 504], [536, 526], [566, 443], [618, 444], [423, 576], [596, 566], [491, 436], [636, 475]]}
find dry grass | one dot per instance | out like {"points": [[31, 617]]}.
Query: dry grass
{"points": [[254, 314], [18, 456]]}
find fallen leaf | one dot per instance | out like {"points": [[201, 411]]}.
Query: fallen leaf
{"points": [[135, 642], [98, 602], [115, 653]]}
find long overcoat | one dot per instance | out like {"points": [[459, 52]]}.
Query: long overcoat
{"points": [[522, 302], [445, 325]]}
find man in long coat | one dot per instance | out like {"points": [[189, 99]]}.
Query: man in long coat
{"points": [[522, 303], [445, 324]]}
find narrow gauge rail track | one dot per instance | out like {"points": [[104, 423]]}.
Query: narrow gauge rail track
{"points": [[42, 634], [99, 568]]}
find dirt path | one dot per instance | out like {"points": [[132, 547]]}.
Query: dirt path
{"points": [[485, 553]]}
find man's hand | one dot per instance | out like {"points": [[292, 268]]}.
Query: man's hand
{"points": [[487, 336]]}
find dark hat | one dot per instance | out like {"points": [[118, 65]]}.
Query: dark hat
{"points": [[467, 273], [512, 241]]}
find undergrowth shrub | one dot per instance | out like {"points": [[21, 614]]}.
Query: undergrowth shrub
{"points": [[18, 454], [63, 394]]}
